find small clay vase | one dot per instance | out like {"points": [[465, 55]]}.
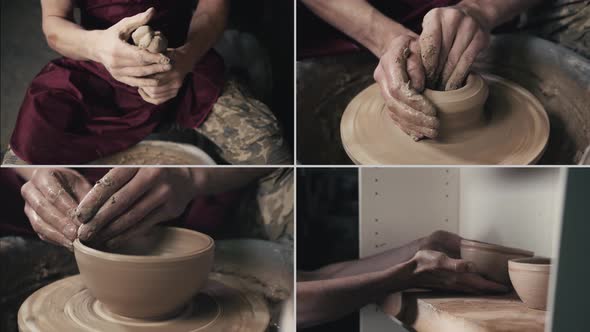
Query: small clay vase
{"points": [[151, 276], [530, 277], [491, 260], [462, 109]]}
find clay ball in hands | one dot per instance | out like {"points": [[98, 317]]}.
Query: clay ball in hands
{"points": [[146, 38]]}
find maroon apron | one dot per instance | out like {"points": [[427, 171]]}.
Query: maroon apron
{"points": [[316, 38], [75, 111]]}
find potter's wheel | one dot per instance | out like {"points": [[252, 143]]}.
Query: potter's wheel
{"points": [[67, 305], [515, 131], [158, 153]]}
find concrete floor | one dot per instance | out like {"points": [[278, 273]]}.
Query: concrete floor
{"points": [[23, 53]]}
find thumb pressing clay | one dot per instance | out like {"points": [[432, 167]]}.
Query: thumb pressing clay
{"points": [[146, 38]]}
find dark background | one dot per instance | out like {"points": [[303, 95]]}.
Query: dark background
{"points": [[327, 226]]}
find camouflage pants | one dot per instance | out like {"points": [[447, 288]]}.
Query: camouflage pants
{"points": [[268, 209], [566, 22], [244, 130]]}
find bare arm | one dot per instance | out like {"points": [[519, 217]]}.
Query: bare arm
{"points": [[126, 63], [205, 29], [207, 25], [321, 300], [359, 20], [495, 13], [62, 34]]}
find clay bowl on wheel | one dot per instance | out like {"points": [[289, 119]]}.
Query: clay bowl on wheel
{"points": [[530, 278], [151, 276], [462, 109], [491, 260]]}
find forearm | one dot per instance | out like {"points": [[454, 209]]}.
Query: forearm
{"points": [[375, 263], [206, 27], [217, 180], [62, 34], [493, 12], [325, 300], [359, 20]]}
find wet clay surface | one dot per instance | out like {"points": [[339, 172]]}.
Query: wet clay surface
{"points": [[158, 153], [66, 305], [514, 131], [150, 276], [558, 78]]}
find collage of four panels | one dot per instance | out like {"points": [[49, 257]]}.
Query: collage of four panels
{"points": [[308, 165]]}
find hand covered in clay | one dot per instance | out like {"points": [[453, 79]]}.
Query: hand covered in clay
{"points": [[170, 82], [129, 201], [51, 197], [435, 270], [127, 63], [451, 39], [400, 76]]}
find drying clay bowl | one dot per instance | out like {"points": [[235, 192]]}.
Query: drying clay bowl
{"points": [[491, 260], [530, 278], [151, 276], [461, 109]]}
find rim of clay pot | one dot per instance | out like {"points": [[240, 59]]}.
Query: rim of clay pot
{"points": [[537, 263], [473, 84], [473, 244], [114, 257]]}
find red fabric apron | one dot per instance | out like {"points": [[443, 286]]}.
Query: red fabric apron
{"points": [[75, 111], [205, 213], [316, 38]]}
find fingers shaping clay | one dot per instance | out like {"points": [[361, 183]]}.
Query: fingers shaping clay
{"points": [[146, 38], [488, 121]]}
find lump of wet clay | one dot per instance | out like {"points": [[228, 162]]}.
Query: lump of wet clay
{"points": [[146, 38]]}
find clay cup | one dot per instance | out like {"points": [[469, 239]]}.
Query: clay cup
{"points": [[491, 260], [150, 277], [461, 109], [530, 277]]}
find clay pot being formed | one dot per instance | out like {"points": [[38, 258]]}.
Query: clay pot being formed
{"points": [[462, 109], [491, 260], [530, 277], [151, 276]]}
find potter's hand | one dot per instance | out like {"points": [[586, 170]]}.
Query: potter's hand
{"points": [[442, 241], [129, 201], [435, 270], [51, 196], [451, 39], [400, 76], [128, 63], [170, 82]]}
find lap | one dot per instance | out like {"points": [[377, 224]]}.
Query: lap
{"points": [[244, 130]]}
